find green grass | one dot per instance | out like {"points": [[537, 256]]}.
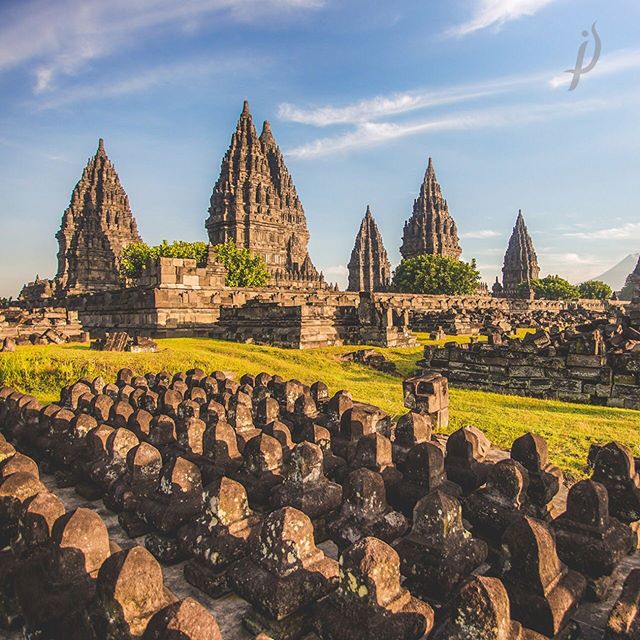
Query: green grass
{"points": [[569, 428]]}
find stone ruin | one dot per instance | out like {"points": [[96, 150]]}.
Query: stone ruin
{"points": [[370, 358], [96, 226], [39, 326], [294, 513], [369, 266], [463, 318], [594, 362], [520, 262], [255, 204], [62, 576], [122, 341], [430, 229]]}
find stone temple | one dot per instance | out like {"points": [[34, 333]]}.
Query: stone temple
{"points": [[430, 229], [369, 266], [631, 284], [520, 260], [96, 226], [255, 204]]}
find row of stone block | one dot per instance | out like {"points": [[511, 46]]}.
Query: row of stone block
{"points": [[63, 578], [530, 450]]}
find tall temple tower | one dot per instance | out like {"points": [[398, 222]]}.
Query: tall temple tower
{"points": [[520, 260], [369, 266], [96, 226], [430, 229], [255, 204]]}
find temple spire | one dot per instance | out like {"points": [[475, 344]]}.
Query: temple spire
{"points": [[430, 229], [266, 137], [96, 226], [369, 267], [255, 204], [520, 260]]}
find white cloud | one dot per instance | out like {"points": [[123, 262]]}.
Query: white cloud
{"points": [[337, 270], [615, 62], [574, 267], [148, 79], [367, 134], [628, 231], [61, 37], [568, 259], [383, 106], [481, 233], [495, 13]]}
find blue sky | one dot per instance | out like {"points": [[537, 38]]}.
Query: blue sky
{"points": [[359, 95]]}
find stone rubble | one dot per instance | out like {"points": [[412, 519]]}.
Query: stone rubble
{"points": [[234, 484]]}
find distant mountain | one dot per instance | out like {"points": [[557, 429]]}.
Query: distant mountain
{"points": [[616, 276]]}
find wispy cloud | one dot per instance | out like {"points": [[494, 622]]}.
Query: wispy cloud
{"points": [[496, 13], [481, 234], [336, 270], [575, 267], [628, 231], [367, 134], [146, 80], [61, 37], [384, 106], [615, 62]]}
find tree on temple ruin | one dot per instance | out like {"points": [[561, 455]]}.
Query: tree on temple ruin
{"points": [[553, 288], [595, 290], [428, 273], [137, 255], [244, 269]]}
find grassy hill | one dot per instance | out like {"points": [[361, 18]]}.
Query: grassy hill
{"points": [[569, 428]]}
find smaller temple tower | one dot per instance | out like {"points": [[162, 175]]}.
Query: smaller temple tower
{"points": [[430, 229], [96, 226], [369, 266], [631, 288], [520, 260]]}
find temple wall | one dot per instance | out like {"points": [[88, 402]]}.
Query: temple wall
{"points": [[176, 298], [611, 380]]}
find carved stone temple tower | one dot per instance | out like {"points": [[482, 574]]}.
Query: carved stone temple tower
{"points": [[631, 289], [430, 229], [255, 204], [520, 260], [96, 226], [369, 266]]}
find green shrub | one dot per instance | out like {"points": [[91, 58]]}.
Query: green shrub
{"points": [[136, 255], [554, 288], [595, 290], [244, 269], [433, 274]]}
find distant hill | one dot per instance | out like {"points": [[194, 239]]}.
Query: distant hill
{"points": [[616, 276]]}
